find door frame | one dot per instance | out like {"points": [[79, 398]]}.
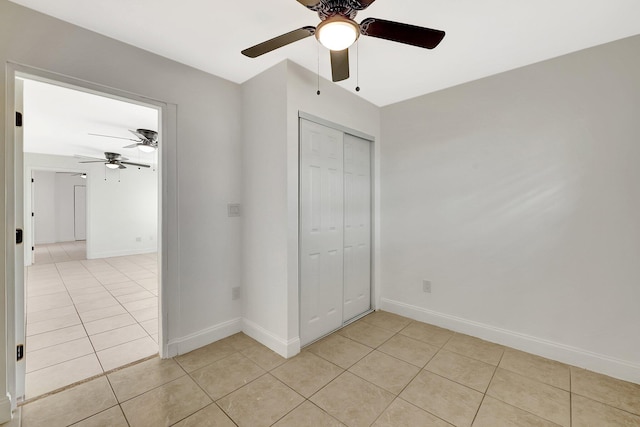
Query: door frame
{"points": [[372, 201], [167, 201]]}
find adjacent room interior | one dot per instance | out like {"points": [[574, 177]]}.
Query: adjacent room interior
{"points": [[456, 242]]}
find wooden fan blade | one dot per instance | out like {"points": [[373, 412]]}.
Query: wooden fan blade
{"points": [[401, 33], [277, 42], [340, 64], [109, 136], [142, 165], [309, 3], [366, 3]]}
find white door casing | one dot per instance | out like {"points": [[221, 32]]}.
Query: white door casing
{"points": [[321, 230], [357, 226]]}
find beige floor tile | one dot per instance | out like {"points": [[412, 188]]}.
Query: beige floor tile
{"points": [[385, 371], [226, 375], [165, 405], [205, 355], [386, 320], [429, 334], [142, 377], [102, 313], [128, 289], [240, 341], [461, 369], [617, 393], [339, 350], [113, 287], [260, 403], [263, 356], [145, 314], [107, 301], [94, 290], [352, 400], [475, 348], [416, 352], [367, 334], [129, 352], [210, 416], [307, 373], [496, 413], [445, 399], [112, 417], [83, 297], [54, 377], [589, 413], [118, 336], [544, 370], [540, 399], [69, 406], [151, 326], [140, 294], [141, 304], [52, 324], [48, 302], [109, 323], [58, 353], [308, 415], [403, 414], [59, 336]]}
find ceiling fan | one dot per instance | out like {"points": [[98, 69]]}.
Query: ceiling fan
{"points": [[111, 161], [338, 30], [147, 139]]}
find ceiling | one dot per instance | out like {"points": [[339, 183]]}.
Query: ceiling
{"points": [[58, 120], [483, 37]]}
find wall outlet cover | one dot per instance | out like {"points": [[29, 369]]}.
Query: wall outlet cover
{"points": [[426, 286]]}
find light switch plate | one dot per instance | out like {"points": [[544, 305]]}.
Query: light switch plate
{"points": [[233, 209]]}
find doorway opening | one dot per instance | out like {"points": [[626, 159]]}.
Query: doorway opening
{"points": [[91, 214]]}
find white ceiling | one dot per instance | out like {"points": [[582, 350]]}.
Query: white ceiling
{"points": [[483, 37], [58, 120]]}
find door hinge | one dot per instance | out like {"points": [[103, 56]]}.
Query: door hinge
{"points": [[33, 180], [20, 352], [33, 214], [33, 248], [18, 236], [18, 119]]}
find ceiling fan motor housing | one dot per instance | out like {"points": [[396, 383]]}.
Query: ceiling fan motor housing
{"points": [[347, 8]]}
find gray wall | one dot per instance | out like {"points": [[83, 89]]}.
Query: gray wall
{"points": [[518, 197], [207, 174]]}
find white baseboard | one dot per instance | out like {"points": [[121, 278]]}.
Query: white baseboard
{"points": [[624, 370], [283, 347], [5, 409], [124, 252], [206, 336]]}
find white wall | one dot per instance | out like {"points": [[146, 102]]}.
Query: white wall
{"points": [[120, 209], [203, 172], [44, 207], [271, 102], [518, 197]]}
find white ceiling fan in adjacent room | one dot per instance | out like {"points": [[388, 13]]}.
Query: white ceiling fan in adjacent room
{"points": [[147, 141]]}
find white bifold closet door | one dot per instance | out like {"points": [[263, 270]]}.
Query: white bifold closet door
{"points": [[335, 229]]}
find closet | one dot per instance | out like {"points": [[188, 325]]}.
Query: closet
{"points": [[335, 228]]}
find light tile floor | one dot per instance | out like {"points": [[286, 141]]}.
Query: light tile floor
{"points": [[382, 371], [86, 317]]}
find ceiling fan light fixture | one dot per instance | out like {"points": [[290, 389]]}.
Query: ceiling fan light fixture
{"points": [[112, 165], [337, 33], [146, 148]]}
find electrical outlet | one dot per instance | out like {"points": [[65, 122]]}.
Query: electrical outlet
{"points": [[236, 293], [426, 286], [233, 209]]}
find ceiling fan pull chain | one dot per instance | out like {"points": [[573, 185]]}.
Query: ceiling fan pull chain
{"points": [[318, 72], [358, 66]]}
